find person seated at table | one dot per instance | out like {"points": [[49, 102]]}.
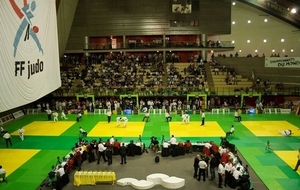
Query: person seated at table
{"points": [[236, 177], [181, 149], [230, 132], [60, 171], [83, 132], [131, 149], [206, 149], [165, 149], [286, 132], [214, 147], [155, 147], [116, 148], [70, 164], [107, 143], [225, 157], [188, 147]]}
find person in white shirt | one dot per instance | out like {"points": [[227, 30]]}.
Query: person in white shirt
{"points": [[21, 133], [83, 132], [48, 111], [124, 119], [63, 115], [168, 116], [112, 141], [55, 116], [202, 168], [60, 171], [7, 138], [228, 170], [236, 115], [101, 152], [108, 114], [221, 173], [230, 132], [203, 118], [286, 132], [2, 171], [237, 173]]}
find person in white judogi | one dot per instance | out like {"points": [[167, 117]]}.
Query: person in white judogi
{"points": [[187, 118], [55, 116], [21, 133], [124, 119], [286, 132], [184, 119], [63, 115]]}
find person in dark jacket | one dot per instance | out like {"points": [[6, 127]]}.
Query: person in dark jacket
{"points": [[123, 151], [109, 154], [196, 165], [213, 164]]}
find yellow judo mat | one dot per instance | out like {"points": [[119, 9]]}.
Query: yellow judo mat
{"points": [[289, 157], [109, 129], [193, 129], [270, 128], [8, 158], [46, 128]]}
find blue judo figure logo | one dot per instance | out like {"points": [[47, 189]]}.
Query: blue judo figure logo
{"points": [[25, 14]]}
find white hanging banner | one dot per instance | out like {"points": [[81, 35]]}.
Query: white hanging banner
{"points": [[284, 62], [29, 58]]}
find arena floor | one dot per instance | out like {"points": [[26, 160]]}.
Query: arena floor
{"points": [[28, 162]]}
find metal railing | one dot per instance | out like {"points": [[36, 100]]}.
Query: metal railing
{"points": [[158, 44], [180, 91]]}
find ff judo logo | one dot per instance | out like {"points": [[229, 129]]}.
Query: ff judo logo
{"points": [[26, 28]]}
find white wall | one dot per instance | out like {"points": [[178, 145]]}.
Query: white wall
{"points": [[273, 31]]}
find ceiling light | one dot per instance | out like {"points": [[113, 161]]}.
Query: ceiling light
{"points": [[266, 20], [248, 41], [292, 50], [233, 22], [233, 3], [294, 10], [282, 40], [249, 21], [273, 50], [256, 51], [265, 40], [232, 41]]}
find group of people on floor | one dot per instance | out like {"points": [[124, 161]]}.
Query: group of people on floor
{"points": [[218, 158]]}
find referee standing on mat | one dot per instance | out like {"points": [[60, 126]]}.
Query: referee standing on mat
{"points": [[108, 113]]}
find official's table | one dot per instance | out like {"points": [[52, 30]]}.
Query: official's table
{"points": [[93, 177]]}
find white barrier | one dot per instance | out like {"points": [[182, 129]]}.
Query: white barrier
{"points": [[32, 111], [100, 111], [285, 111]]}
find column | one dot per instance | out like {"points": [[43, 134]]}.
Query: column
{"points": [[164, 45], [124, 44], [87, 45], [203, 44]]}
